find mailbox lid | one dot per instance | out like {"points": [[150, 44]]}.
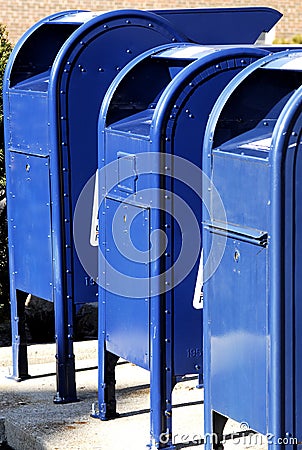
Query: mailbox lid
{"points": [[223, 25], [204, 25]]}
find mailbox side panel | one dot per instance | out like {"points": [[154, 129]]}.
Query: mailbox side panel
{"points": [[29, 202]]}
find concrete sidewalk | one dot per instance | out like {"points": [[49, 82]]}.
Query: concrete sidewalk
{"points": [[29, 420]]}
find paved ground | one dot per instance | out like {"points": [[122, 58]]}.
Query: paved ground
{"points": [[30, 420]]}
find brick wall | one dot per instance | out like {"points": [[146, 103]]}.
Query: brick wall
{"points": [[19, 15]]}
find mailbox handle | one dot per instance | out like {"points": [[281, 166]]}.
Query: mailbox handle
{"points": [[251, 235]]}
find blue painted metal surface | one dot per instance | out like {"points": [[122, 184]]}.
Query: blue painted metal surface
{"points": [[59, 71], [251, 153], [224, 25], [151, 130]]}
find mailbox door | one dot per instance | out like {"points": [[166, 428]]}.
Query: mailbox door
{"points": [[30, 224], [126, 248], [239, 343]]}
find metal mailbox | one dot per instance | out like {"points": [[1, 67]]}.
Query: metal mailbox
{"points": [[54, 84], [151, 130], [252, 351]]}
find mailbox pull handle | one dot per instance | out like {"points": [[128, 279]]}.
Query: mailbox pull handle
{"points": [[237, 232]]}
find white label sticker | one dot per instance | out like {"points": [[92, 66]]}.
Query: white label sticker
{"points": [[198, 294], [94, 230]]}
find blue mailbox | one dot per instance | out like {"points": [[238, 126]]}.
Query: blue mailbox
{"points": [[151, 130], [252, 154], [55, 81]]}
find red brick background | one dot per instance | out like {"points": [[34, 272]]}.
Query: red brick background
{"points": [[19, 15]]}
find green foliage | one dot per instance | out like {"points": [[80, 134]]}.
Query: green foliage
{"points": [[5, 50], [297, 39]]}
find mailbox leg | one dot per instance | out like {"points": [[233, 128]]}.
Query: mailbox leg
{"points": [[65, 361], [161, 411], [200, 381], [107, 401], [219, 422], [19, 345]]}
